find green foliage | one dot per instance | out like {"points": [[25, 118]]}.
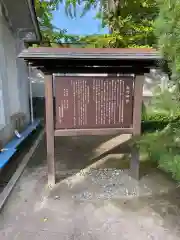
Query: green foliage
{"points": [[114, 40], [167, 148], [100, 5], [166, 102], [130, 22], [161, 131], [44, 11], [167, 29], [134, 21], [52, 35], [157, 121], [170, 164], [144, 112], [164, 148], [161, 117], [102, 41], [163, 109]]}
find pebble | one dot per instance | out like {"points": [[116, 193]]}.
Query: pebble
{"points": [[57, 197], [110, 183], [45, 219]]}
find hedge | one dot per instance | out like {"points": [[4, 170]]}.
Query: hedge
{"points": [[156, 121]]}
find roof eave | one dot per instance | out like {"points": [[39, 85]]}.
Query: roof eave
{"points": [[101, 56], [32, 10]]}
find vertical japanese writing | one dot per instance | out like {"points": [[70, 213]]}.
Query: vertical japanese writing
{"points": [[94, 102]]}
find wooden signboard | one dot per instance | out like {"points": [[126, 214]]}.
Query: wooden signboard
{"points": [[92, 105], [93, 102]]}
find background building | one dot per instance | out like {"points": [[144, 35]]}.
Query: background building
{"points": [[14, 84]]}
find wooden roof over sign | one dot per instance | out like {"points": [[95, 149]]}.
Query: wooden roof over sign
{"points": [[90, 53], [123, 60]]}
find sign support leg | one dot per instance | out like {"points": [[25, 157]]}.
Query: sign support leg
{"points": [[50, 129], [134, 163], [138, 98]]}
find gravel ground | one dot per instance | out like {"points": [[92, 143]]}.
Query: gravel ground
{"points": [[97, 203]]}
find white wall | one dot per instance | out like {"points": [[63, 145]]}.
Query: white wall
{"points": [[151, 81], [23, 81], [13, 80], [37, 81], [155, 79]]}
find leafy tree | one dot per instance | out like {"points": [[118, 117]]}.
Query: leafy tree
{"points": [[52, 35], [167, 29], [102, 41], [130, 21], [133, 20], [167, 151]]}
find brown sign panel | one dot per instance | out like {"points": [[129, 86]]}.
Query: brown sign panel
{"points": [[93, 102]]}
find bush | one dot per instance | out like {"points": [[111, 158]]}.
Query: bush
{"points": [[163, 146], [161, 133], [157, 121]]}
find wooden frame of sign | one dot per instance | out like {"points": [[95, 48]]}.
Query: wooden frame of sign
{"points": [[96, 110], [52, 120]]}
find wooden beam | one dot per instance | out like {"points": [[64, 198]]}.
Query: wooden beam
{"points": [[138, 97], [50, 129], [92, 132], [123, 70]]}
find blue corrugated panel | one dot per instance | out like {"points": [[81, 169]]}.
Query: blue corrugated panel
{"points": [[11, 147], [5, 156]]}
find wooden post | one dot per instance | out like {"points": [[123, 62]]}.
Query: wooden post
{"points": [[138, 97], [50, 129]]}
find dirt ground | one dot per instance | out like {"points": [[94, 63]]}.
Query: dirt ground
{"points": [[93, 200]]}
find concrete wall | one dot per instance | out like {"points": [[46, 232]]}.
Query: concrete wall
{"points": [[13, 80]]}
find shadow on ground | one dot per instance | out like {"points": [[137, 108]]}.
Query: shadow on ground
{"points": [[94, 199], [73, 154]]}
